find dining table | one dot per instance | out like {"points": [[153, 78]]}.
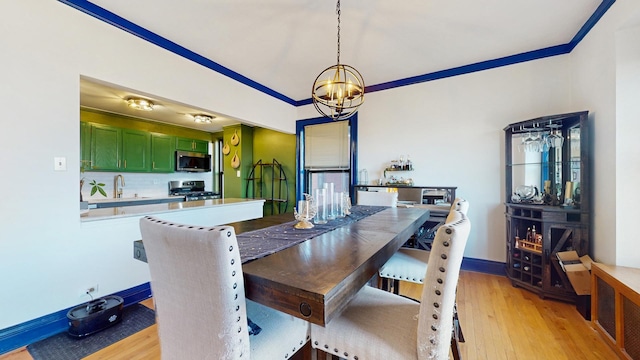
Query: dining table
{"points": [[315, 279], [315, 275]]}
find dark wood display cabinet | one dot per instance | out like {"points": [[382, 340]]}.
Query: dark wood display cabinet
{"points": [[547, 200]]}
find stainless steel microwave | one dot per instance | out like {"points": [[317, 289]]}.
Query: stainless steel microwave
{"points": [[192, 161]]}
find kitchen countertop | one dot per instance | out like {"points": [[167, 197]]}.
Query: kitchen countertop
{"points": [[149, 209]]}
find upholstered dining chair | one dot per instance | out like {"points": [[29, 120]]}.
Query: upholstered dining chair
{"points": [[198, 290], [378, 324], [377, 198], [409, 264]]}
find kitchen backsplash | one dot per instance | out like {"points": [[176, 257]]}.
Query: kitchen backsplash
{"points": [[142, 184]]}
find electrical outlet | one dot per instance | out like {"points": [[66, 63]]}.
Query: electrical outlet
{"points": [[90, 290]]}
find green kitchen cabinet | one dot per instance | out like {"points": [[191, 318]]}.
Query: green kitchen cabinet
{"points": [[106, 142], [136, 151], [85, 146], [185, 144], [162, 153], [117, 149]]}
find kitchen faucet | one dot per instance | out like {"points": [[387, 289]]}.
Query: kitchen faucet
{"points": [[117, 191]]}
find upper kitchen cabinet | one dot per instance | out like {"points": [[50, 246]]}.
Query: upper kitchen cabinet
{"points": [[116, 149], [162, 153], [136, 150], [85, 146], [185, 144], [106, 142]]}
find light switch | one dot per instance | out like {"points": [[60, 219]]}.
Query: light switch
{"points": [[60, 164], [238, 173]]}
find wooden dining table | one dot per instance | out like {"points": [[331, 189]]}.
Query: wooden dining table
{"points": [[315, 279]]}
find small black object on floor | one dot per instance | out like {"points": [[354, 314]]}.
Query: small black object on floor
{"points": [[65, 347]]}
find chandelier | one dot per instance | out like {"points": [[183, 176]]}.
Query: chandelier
{"points": [[339, 90]]}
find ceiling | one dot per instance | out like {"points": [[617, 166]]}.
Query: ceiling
{"points": [[282, 45]]}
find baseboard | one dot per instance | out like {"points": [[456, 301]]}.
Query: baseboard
{"points": [[483, 266], [43, 327]]}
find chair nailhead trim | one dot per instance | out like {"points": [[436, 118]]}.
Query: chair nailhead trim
{"points": [[231, 248], [335, 350], [435, 316], [434, 328], [436, 305], [441, 269], [446, 244], [315, 343], [233, 273], [438, 292], [233, 261], [346, 354], [326, 346], [440, 281], [443, 256]]}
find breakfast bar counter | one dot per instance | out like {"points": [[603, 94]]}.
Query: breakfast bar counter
{"points": [[153, 209]]}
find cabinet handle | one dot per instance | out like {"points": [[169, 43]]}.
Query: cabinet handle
{"points": [[125, 164], [118, 163], [153, 164]]}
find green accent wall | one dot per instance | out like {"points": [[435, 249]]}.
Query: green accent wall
{"points": [[269, 145], [234, 185]]}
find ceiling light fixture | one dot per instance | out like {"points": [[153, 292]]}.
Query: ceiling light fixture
{"points": [[140, 104], [203, 119], [338, 91]]}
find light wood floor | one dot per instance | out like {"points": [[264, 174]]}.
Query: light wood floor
{"points": [[498, 322]]}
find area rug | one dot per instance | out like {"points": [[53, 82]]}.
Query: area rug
{"points": [[64, 347]]}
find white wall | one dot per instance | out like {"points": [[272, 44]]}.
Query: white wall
{"points": [[627, 145], [46, 47], [604, 78], [452, 129]]}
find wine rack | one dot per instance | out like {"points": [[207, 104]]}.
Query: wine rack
{"points": [[548, 189]]}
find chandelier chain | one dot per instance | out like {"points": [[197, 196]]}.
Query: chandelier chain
{"points": [[338, 12]]}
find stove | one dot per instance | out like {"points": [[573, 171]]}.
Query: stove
{"points": [[191, 190]]}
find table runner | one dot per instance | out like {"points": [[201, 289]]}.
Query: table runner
{"points": [[260, 243]]}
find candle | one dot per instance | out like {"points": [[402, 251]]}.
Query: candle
{"points": [[568, 190]]}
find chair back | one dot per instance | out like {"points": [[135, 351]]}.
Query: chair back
{"points": [[460, 205], [198, 289], [435, 324], [377, 198]]}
